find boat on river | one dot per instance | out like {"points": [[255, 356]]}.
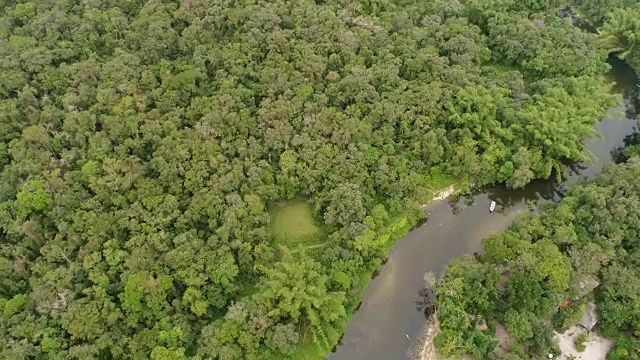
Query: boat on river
{"points": [[492, 206]]}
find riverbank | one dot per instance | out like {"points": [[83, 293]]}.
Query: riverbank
{"points": [[390, 320], [397, 229], [391, 315], [424, 344], [442, 195]]}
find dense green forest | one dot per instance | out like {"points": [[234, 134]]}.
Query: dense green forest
{"points": [[526, 275], [148, 148]]}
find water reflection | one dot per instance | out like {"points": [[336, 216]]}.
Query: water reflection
{"points": [[426, 301], [576, 168], [618, 154], [506, 198], [626, 83]]}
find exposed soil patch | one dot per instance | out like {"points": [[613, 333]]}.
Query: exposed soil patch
{"points": [[596, 347], [444, 194]]}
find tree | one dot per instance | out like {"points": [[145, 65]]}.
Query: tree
{"points": [[519, 325], [33, 197], [296, 290], [621, 33], [597, 11], [346, 205]]}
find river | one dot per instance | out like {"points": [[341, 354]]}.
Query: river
{"points": [[388, 322]]}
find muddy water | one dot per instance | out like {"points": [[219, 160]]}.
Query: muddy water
{"points": [[389, 320]]}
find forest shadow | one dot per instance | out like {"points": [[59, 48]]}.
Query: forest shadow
{"points": [[506, 198], [629, 148]]}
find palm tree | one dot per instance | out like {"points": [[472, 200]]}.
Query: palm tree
{"points": [[621, 33]]}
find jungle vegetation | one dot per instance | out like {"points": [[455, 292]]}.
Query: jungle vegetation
{"points": [[529, 279], [146, 146]]}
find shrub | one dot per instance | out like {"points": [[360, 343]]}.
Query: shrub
{"points": [[581, 342]]}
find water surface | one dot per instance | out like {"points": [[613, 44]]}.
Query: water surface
{"points": [[389, 320]]}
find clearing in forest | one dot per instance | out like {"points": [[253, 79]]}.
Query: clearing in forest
{"points": [[293, 225], [595, 348]]}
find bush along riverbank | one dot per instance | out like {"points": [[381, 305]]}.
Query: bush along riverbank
{"points": [[576, 260]]}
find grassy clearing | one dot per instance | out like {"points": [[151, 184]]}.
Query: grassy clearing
{"points": [[293, 225]]}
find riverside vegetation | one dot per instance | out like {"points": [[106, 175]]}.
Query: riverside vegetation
{"points": [[148, 144], [526, 275], [529, 278]]}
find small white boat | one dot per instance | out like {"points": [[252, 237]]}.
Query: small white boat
{"points": [[492, 206]]}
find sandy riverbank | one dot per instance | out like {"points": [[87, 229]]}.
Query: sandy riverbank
{"points": [[425, 349], [442, 195]]}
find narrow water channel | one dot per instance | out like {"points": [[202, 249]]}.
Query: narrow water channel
{"points": [[389, 320]]}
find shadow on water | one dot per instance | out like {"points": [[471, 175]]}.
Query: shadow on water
{"points": [[541, 190], [605, 150], [426, 301], [620, 154], [625, 83], [507, 198]]}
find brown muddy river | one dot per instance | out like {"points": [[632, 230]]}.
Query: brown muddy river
{"points": [[390, 318]]}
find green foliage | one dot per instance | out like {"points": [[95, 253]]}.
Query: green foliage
{"points": [[580, 341], [33, 197], [293, 223], [521, 41], [519, 325], [621, 34], [14, 304], [626, 347], [597, 11], [162, 353], [569, 316], [346, 206], [482, 345], [296, 289], [144, 144], [543, 341], [593, 231]]}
